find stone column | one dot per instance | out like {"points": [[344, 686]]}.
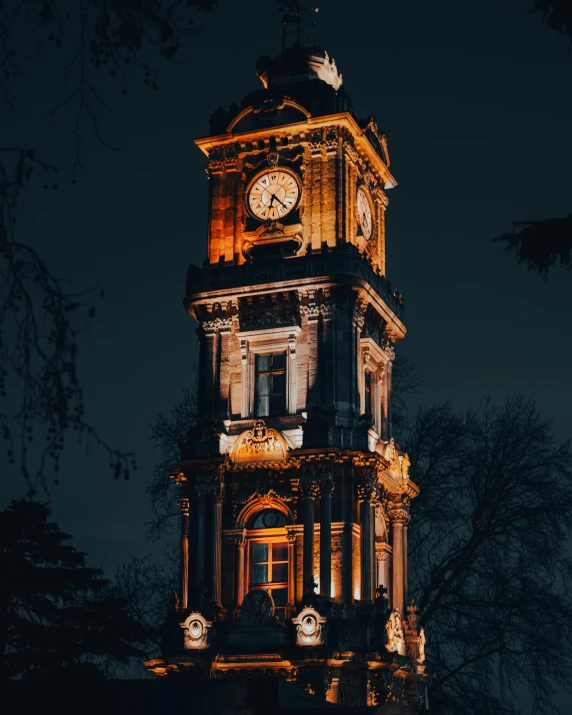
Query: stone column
{"points": [[405, 574], [291, 377], [209, 386], [184, 571], [398, 516], [332, 693], [347, 538], [199, 523], [291, 569], [383, 557], [379, 570], [372, 548], [388, 376], [309, 491], [239, 544], [365, 491], [216, 544], [326, 490], [358, 321]]}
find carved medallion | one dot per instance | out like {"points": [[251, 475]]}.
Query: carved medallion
{"points": [[196, 629], [259, 444], [309, 627]]}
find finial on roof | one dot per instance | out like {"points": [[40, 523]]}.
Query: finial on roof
{"points": [[293, 13]]}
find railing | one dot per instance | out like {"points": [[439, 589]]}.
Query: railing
{"points": [[343, 264]]}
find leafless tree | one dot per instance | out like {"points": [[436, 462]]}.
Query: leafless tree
{"points": [[168, 434], [146, 586], [41, 316], [488, 555]]}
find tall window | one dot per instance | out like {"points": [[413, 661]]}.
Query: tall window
{"points": [[269, 570], [367, 392], [270, 384], [268, 557]]}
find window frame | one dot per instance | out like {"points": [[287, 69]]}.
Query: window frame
{"points": [[374, 362], [268, 536], [271, 372], [259, 342]]}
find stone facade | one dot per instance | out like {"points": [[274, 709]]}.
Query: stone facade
{"points": [[294, 497]]}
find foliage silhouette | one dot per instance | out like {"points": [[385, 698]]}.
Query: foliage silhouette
{"points": [[541, 244], [103, 44], [58, 617]]}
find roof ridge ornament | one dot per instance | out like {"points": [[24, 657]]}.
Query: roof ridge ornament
{"points": [[292, 14]]}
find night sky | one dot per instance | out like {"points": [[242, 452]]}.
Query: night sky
{"points": [[476, 102]]}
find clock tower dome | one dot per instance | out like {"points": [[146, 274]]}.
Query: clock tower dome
{"points": [[294, 497]]}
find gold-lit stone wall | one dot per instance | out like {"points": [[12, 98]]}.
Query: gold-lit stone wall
{"points": [[337, 562], [333, 165], [356, 571]]}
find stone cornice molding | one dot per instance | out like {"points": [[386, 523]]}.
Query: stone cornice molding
{"points": [[342, 122], [342, 266]]}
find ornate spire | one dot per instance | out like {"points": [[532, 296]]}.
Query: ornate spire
{"points": [[294, 17]]}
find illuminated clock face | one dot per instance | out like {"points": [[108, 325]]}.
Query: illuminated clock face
{"points": [[364, 213], [273, 195]]}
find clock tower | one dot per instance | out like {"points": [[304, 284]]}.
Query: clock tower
{"points": [[294, 497]]}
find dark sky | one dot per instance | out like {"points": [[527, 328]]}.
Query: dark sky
{"points": [[476, 102]]}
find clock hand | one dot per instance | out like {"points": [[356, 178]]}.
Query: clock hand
{"points": [[277, 199]]}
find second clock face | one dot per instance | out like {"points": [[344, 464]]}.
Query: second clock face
{"points": [[273, 195], [364, 213]]}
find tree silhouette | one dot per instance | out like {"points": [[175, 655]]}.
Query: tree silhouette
{"points": [[543, 243], [57, 615], [104, 44], [488, 555], [488, 562]]}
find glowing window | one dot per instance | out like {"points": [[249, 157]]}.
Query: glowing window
{"points": [[270, 384], [269, 570]]}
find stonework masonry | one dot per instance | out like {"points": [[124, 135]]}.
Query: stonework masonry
{"points": [[294, 496]]}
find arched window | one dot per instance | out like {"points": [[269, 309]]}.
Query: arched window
{"points": [[267, 519], [268, 557]]}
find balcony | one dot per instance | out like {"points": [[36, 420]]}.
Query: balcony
{"points": [[343, 264]]}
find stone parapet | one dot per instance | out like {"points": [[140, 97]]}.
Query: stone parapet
{"points": [[342, 265]]}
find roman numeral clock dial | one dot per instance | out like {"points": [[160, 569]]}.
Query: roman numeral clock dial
{"points": [[364, 214], [273, 195]]}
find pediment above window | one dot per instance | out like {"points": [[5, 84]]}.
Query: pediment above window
{"points": [[260, 444]]}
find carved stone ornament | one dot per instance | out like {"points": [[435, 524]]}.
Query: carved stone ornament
{"points": [[259, 444], [398, 463], [310, 627], [196, 629], [257, 609], [395, 637], [326, 70], [421, 646]]}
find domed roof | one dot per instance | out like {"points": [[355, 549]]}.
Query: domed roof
{"points": [[304, 76]]}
